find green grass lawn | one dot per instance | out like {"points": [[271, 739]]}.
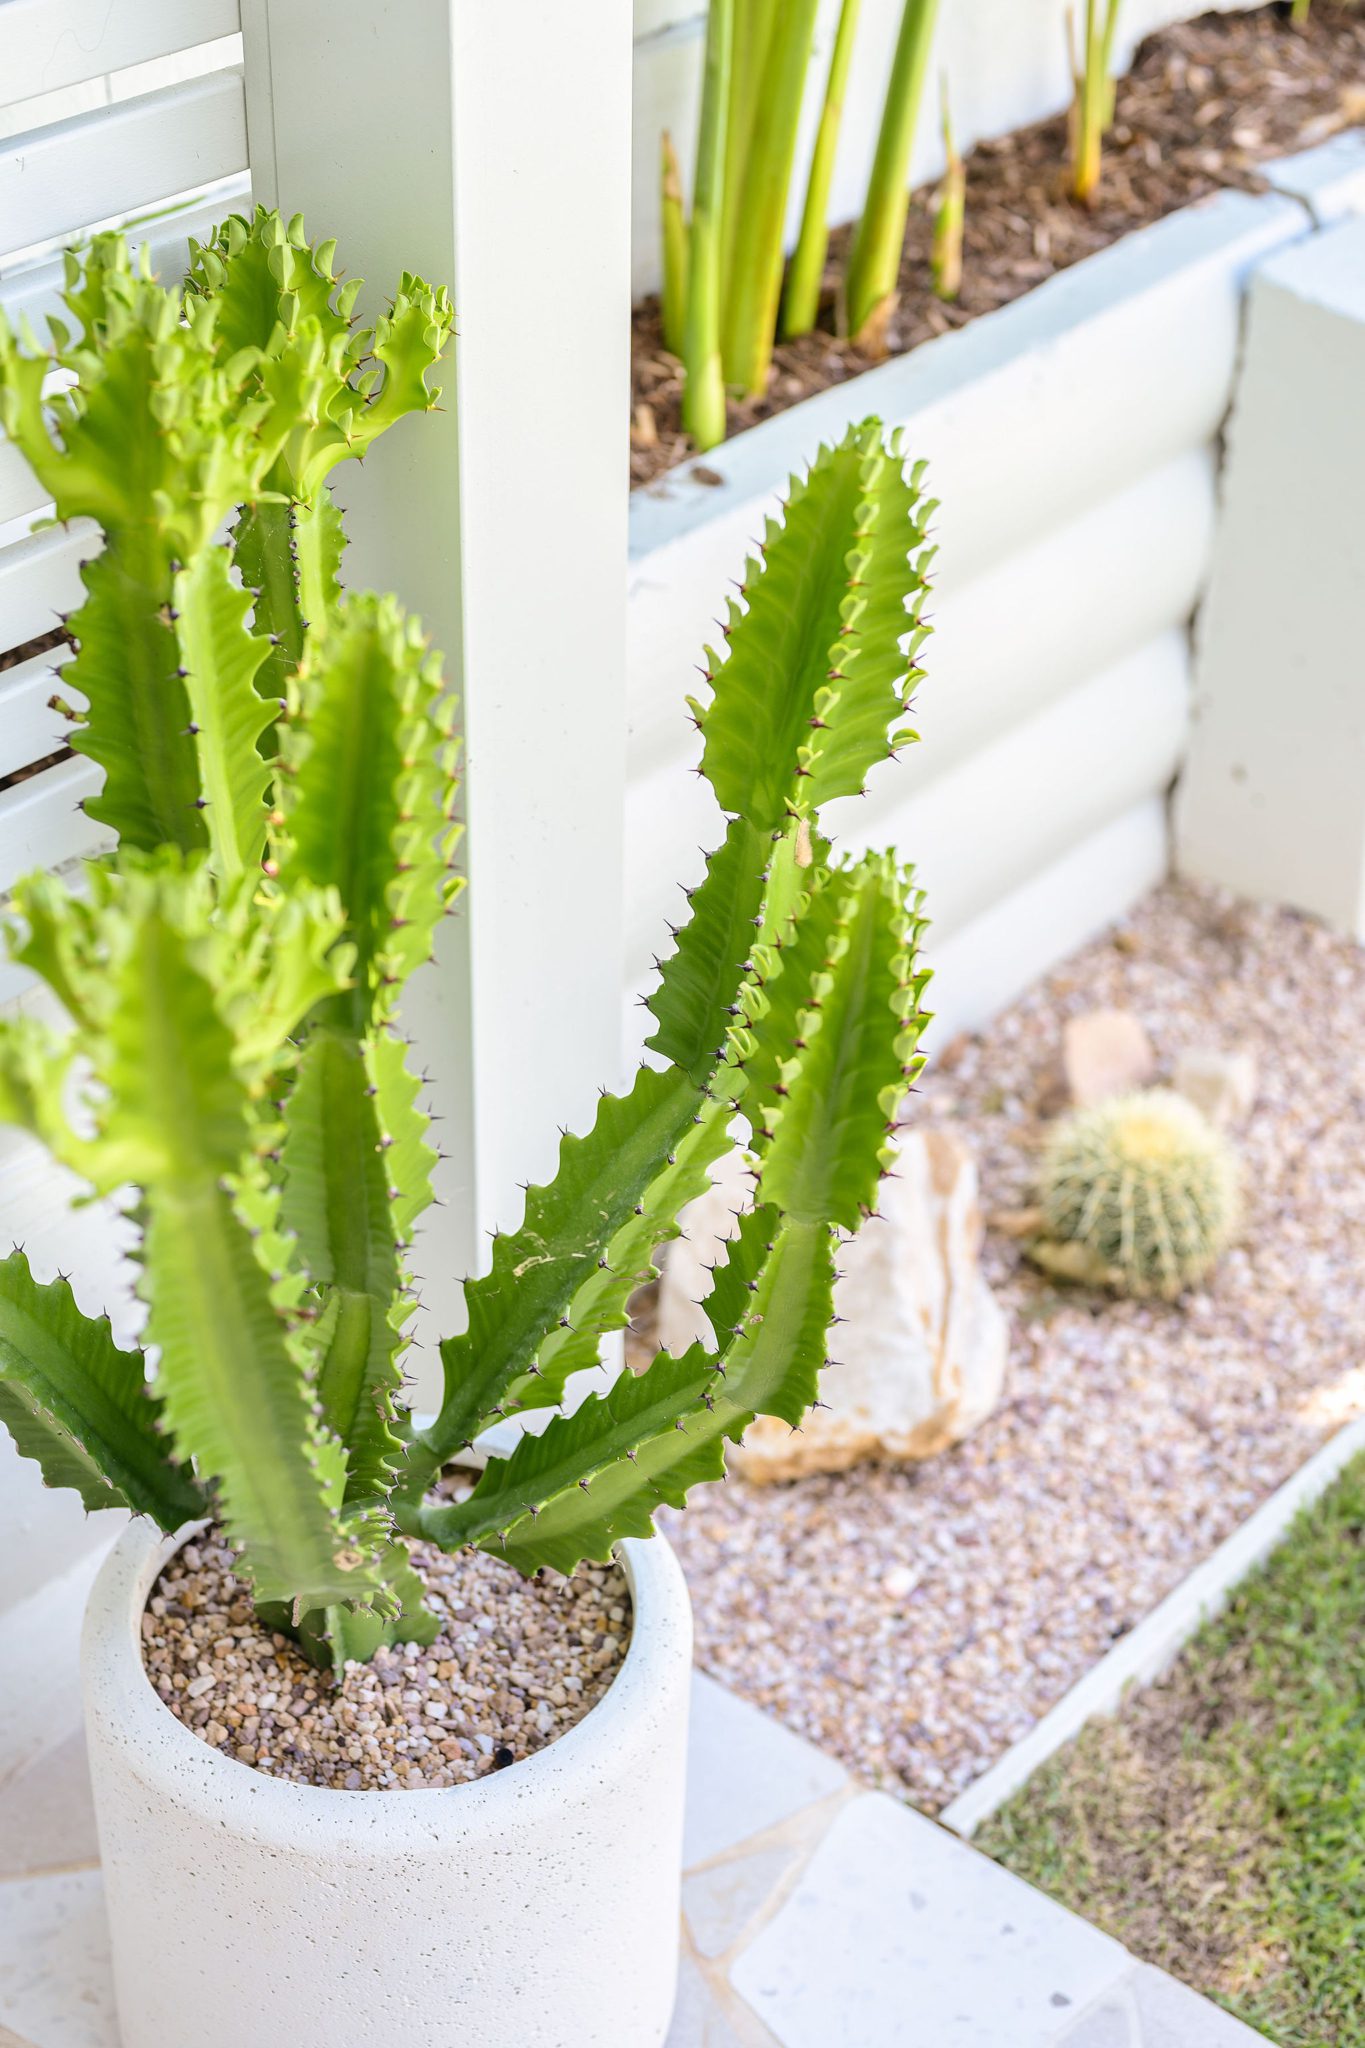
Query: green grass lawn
{"points": [[1217, 1826]]}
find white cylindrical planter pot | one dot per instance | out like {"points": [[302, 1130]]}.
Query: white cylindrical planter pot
{"points": [[536, 1908]]}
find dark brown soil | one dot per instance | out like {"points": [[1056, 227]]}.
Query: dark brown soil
{"points": [[1206, 102]]}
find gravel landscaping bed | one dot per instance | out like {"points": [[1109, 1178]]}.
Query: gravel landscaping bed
{"points": [[517, 1662], [915, 1621]]}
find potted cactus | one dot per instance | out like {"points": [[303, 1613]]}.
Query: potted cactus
{"points": [[279, 768]]}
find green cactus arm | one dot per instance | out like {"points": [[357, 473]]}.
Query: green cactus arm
{"points": [[367, 798], [177, 1123], [136, 722], [599, 1474], [220, 658], [80, 1407], [844, 1026], [262, 538], [288, 554], [409, 1157], [816, 673], [407, 343], [329, 389], [336, 1202], [699, 983], [156, 443], [562, 1258]]}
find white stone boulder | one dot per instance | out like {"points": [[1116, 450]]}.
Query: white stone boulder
{"points": [[1222, 1084], [1104, 1053], [923, 1343]]}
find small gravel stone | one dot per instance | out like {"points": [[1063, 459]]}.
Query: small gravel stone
{"points": [[1134, 1436], [517, 1663]]}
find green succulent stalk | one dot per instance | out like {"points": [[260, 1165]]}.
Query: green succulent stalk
{"points": [[870, 286], [805, 273], [1139, 1193], [1092, 108], [703, 407], [228, 1049], [753, 277], [950, 213]]}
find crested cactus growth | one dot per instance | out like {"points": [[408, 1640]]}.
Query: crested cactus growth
{"points": [[229, 1051], [1139, 1193]]}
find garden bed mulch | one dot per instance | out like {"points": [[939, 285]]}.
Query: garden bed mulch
{"points": [[1215, 1825], [1205, 104], [916, 1621]]}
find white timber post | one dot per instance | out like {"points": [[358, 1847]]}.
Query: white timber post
{"points": [[486, 145], [1273, 799]]}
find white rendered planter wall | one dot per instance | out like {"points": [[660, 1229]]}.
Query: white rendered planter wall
{"points": [[1071, 439], [533, 1909]]}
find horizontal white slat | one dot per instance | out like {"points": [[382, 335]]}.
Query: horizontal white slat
{"points": [[29, 729], [1025, 934], [47, 44], [35, 291], [95, 166], [40, 826], [21, 494], [40, 580]]}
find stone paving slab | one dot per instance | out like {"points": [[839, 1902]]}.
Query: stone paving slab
{"points": [[815, 1915], [897, 1935]]}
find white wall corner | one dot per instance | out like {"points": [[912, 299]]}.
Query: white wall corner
{"points": [[1273, 800]]}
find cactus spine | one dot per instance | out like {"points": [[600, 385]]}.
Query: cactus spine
{"points": [[1140, 1193]]}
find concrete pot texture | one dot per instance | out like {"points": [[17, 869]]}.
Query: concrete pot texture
{"points": [[535, 1908]]}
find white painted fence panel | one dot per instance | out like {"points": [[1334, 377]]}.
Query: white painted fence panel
{"points": [[21, 495], [29, 729], [40, 822], [34, 291], [48, 44], [145, 150], [40, 580]]}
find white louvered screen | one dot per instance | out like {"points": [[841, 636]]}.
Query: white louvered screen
{"points": [[124, 114]]}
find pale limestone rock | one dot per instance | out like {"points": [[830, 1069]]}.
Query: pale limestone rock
{"points": [[1105, 1052], [1222, 1084], [923, 1344]]}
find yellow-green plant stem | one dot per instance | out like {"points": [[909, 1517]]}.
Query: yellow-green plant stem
{"points": [[801, 300], [704, 390], [674, 249], [946, 256], [875, 259], [1092, 109], [754, 277], [752, 31], [1299, 14]]}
